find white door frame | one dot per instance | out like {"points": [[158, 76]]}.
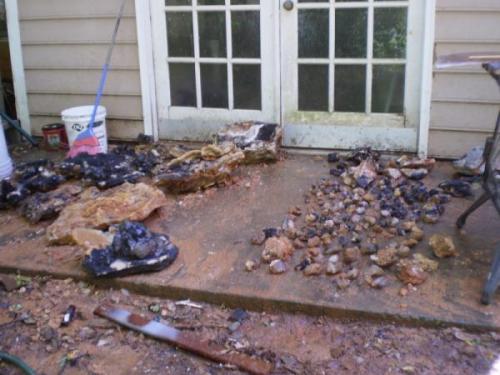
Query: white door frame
{"points": [[149, 82], [147, 67], [17, 64]]}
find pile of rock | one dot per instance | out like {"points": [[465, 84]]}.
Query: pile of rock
{"points": [[360, 223]]}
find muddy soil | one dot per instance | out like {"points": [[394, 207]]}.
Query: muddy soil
{"points": [[296, 344]]}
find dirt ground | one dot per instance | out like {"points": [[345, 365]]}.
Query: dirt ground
{"points": [[296, 344]]}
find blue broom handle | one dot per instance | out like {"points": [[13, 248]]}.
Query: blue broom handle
{"points": [[105, 68]]}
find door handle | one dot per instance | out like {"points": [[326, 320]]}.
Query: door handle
{"points": [[288, 5]]}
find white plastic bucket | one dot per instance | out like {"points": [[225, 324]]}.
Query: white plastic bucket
{"points": [[77, 119], [5, 160]]}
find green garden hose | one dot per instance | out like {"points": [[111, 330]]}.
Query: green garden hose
{"points": [[18, 362]]}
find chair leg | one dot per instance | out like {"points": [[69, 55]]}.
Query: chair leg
{"points": [[478, 203], [493, 279]]}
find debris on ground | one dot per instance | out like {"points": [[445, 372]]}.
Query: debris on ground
{"points": [[472, 163], [8, 282], [363, 220], [99, 210], [259, 142], [134, 249], [443, 246], [68, 316], [90, 239], [191, 343], [457, 188], [326, 346], [198, 169]]}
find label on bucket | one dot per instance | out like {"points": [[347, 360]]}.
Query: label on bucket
{"points": [[99, 132]]}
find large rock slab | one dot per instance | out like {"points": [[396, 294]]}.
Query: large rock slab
{"points": [[99, 210], [259, 141], [198, 169]]}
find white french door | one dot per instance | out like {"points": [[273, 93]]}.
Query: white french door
{"points": [[215, 63], [333, 73], [353, 73]]}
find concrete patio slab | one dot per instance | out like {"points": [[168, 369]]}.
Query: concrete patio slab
{"points": [[213, 229]]}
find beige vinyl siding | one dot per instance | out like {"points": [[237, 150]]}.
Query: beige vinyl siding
{"points": [[465, 101], [64, 46]]}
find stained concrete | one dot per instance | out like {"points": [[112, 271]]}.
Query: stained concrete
{"points": [[213, 230]]}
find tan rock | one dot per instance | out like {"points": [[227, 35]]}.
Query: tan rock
{"points": [[443, 246], [99, 210], [411, 272], [277, 248], [277, 267], [417, 234], [313, 242], [427, 264], [313, 269], [385, 257], [352, 254], [91, 239]]}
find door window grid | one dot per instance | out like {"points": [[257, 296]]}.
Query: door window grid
{"points": [[369, 61], [229, 60]]}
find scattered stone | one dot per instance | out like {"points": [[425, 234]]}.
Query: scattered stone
{"points": [[238, 315], [313, 269], [277, 266], [313, 242], [416, 163], [428, 265], [417, 234], [351, 254], [250, 266], [342, 281], [415, 174], [411, 272], [385, 257], [332, 157], [443, 246], [277, 248], [457, 188], [472, 163], [333, 268], [87, 333]]}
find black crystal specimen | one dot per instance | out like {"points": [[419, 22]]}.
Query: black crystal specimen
{"points": [[135, 249]]}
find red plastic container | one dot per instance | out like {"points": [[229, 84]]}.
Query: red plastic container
{"points": [[55, 138]]}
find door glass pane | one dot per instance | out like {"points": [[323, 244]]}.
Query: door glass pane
{"points": [[214, 85], [177, 2], [313, 87], [180, 34], [246, 34], [246, 87], [388, 88], [212, 30], [350, 88], [350, 32], [182, 85], [313, 32], [243, 2], [211, 2], [389, 38]]}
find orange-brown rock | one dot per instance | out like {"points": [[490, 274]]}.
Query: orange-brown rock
{"points": [[411, 272], [277, 248], [91, 239], [443, 246], [98, 211]]}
